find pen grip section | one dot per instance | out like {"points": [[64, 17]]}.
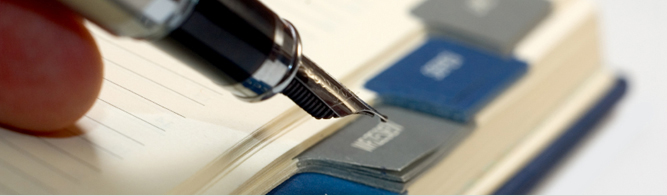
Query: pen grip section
{"points": [[222, 43], [241, 45]]}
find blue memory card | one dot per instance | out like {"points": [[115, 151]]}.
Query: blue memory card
{"points": [[446, 79]]}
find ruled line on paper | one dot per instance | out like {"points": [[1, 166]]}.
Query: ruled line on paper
{"points": [[97, 145], [8, 190], [63, 151], [158, 64], [112, 105], [39, 161], [155, 82], [137, 94], [26, 176], [114, 130]]}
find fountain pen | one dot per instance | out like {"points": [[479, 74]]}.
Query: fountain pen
{"points": [[239, 44]]}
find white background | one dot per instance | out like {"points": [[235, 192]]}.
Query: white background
{"points": [[627, 154]]}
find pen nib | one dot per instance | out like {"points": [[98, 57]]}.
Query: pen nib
{"points": [[322, 96]]}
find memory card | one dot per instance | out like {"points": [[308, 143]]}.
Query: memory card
{"points": [[446, 79], [494, 24], [384, 155]]}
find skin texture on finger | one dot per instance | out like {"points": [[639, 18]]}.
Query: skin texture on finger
{"points": [[50, 67]]}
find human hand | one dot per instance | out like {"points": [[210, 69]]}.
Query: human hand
{"points": [[50, 67]]}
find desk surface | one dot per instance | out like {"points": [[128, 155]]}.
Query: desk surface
{"points": [[627, 154]]}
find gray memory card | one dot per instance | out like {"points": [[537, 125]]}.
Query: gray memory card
{"points": [[384, 155], [493, 24]]}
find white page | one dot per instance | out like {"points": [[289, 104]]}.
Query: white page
{"points": [[342, 35], [157, 122]]}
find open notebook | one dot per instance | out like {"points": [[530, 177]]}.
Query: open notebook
{"points": [[160, 127]]}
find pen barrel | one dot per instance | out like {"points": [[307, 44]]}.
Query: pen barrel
{"points": [[239, 44]]}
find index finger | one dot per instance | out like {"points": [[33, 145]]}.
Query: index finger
{"points": [[50, 67]]}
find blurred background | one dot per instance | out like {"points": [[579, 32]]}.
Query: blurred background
{"points": [[627, 154]]}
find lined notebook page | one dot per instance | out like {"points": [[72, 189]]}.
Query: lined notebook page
{"points": [[158, 122], [155, 123]]}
